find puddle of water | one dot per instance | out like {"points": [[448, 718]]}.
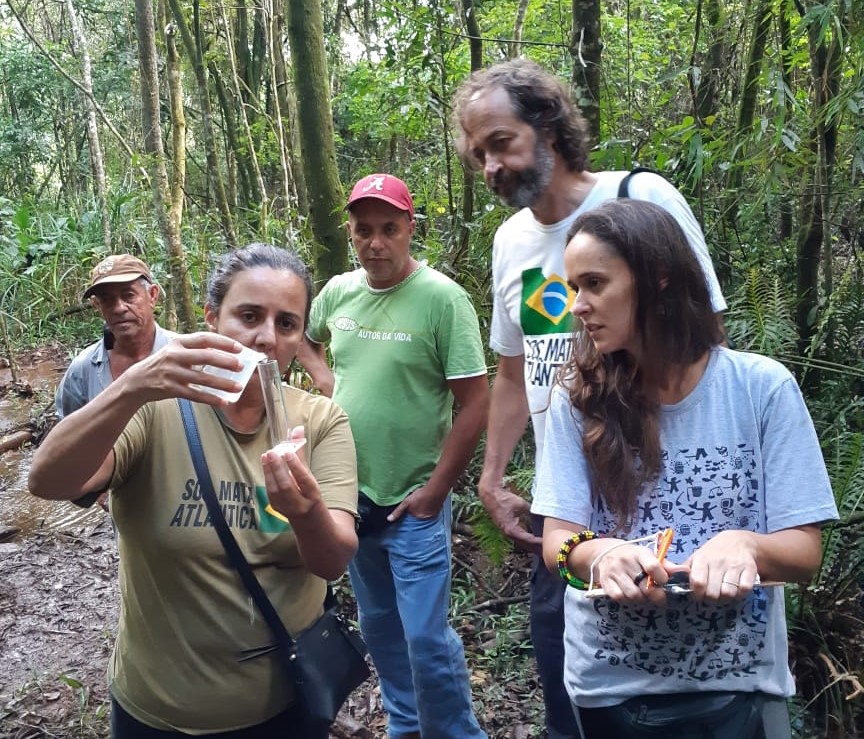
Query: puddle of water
{"points": [[17, 507], [43, 371], [24, 511]]}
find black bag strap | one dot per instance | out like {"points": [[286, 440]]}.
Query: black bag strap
{"points": [[190, 426], [624, 185]]}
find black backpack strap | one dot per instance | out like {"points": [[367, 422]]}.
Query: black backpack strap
{"points": [[624, 185], [235, 555]]}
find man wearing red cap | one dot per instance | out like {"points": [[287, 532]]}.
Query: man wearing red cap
{"points": [[122, 290], [405, 343]]}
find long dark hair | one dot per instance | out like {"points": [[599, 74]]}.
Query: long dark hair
{"points": [[256, 255], [675, 322], [539, 99]]}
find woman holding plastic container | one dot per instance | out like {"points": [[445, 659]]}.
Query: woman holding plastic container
{"points": [[653, 426], [186, 620]]}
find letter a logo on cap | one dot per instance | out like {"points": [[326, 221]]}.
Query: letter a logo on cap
{"points": [[375, 182], [384, 187]]}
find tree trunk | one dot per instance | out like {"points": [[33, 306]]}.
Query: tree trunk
{"points": [[144, 30], [585, 48], [239, 166], [747, 108], [337, 18], [815, 236], [178, 124], [255, 70], [294, 181], [731, 198], [241, 39], [515, 47], [784, 33], [260, 190], [475, 39], [711, 68], [250, 63], [326, 199], [811, 234], [301, 192], [177, 184], [97, 163], [214, 173], [475, 45]]}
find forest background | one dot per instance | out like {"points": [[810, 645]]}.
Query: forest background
{"points": [[177, 130]]}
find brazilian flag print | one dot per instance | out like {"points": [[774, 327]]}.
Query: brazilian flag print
{"points": [[546, 304], [270, 520]]}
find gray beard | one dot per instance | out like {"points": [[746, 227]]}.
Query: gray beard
{"points": [[531, 183]]}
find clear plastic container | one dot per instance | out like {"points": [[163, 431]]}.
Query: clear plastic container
{"points": [[250, 358], [295, 445], [277, 413]]}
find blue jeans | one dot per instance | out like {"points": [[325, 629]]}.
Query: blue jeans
{"points": [[709, 715], [547, 639], [401, 579]]}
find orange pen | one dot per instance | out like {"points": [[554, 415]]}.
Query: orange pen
{"points": [[664, 541]]}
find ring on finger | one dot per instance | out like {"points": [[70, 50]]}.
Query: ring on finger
{"points": [[729, 582], [637, 580]]}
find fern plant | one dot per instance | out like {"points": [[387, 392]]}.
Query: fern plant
{"points": [[761, 316]]}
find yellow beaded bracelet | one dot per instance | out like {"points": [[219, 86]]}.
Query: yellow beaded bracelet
{"points": [[564, 552]]}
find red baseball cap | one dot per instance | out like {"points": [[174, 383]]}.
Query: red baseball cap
{"points": [[384, 187]]}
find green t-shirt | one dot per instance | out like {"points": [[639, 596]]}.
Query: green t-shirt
{"points": [[393, 352], [185, 616]]}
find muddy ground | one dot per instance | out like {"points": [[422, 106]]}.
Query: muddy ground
{"points": [[58, 611]]}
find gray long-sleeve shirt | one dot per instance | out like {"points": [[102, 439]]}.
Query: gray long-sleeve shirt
{"points": [[90, 373]]}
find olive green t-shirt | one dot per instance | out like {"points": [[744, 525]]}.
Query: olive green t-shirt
{"points": [[185, 616]]}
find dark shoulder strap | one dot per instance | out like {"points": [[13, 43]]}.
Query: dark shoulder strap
{"points": [[624, 185], [236, 557]]}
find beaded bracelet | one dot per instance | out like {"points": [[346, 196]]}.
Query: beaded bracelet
{"points": [[564, 552]]}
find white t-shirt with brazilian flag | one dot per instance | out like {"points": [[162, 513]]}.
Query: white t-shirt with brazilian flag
{"points": [[531, 309]]}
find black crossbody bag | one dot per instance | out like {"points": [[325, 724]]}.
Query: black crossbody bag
{"points": [[327, 661]]}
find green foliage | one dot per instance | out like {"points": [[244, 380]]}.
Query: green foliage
{"points": [[760, 316], [843, 563], [840, 324], [25, 120], [508, 644], [87, 718], [494, 544], [38, 255], [519, 479], [824, 619]]}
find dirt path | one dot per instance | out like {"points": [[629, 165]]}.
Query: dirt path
{"points": [[58, 611]]}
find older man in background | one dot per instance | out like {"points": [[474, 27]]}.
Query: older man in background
{"points": [[122, 289]]}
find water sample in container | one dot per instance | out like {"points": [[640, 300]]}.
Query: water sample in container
{"points": [[250, 359], [274, 404]]}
